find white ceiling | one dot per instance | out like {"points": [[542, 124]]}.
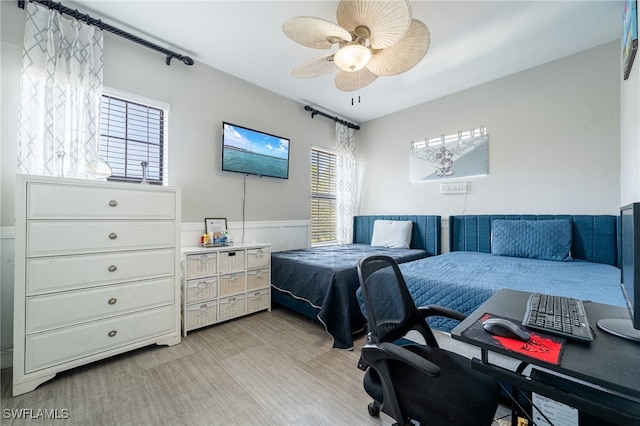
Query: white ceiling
{"points": [[472, 42]]}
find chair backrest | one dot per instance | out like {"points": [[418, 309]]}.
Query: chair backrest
{"points": [[391, 311]]}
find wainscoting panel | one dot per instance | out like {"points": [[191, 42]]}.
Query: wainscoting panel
{"points": [[7, 254], [281, 234]]}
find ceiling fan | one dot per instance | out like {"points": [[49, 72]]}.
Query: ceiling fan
{"points": [[374, 38]]}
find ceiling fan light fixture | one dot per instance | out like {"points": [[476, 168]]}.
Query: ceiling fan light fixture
{"points": [[352, 57]]}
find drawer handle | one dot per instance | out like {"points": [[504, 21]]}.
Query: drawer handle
{"points": [[113, 268], [113, 203], [113, 236], [112, 301], [112, 333]]}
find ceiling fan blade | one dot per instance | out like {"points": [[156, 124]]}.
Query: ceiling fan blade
{"points": [[386, 21], [314, 32], [316, 67], [403, 55], [351, 81]]}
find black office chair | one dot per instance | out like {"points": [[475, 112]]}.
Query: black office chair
{"points": [[413, 382]]}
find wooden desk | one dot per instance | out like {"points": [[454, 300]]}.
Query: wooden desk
{"points": [[601, 378]]}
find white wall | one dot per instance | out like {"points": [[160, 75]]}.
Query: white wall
{"points": [[554, 134], [630, 136]]}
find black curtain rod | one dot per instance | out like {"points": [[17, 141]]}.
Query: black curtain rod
{"points": [[106, 27], [314, 111]]}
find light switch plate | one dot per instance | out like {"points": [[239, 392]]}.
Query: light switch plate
{"points": [[453, 188]]}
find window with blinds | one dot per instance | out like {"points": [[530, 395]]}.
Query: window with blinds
{"points": [[132, 133], [323, 197]]}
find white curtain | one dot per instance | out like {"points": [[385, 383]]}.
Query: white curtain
{"points": [[60, 99], [346, 183]]}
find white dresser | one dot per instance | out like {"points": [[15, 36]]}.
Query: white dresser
{"points": [[220, 283], [96, 273]]}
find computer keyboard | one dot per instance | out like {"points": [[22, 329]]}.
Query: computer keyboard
{"points": [[558, 315]]}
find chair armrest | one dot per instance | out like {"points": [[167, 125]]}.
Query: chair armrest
{"points": [[372, 354], [436, 310]]}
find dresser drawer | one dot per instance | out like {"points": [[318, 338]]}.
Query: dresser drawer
{"points": [[201, 314], [258, 300], [257, 279], [258, 257], [67, 344], [231, 284], [49, 274], [202, 265], [46, 238], [48, 201], [203, 289], [231, 307], [70, 308], [231, 261]]}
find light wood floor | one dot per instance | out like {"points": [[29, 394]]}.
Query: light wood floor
{"points": [[270, 368]]}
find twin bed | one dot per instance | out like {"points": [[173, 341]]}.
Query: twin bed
{"points": [[321, 282], [575, 256]]}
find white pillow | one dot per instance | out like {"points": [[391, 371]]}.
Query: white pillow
{"points": [[392, 233]]}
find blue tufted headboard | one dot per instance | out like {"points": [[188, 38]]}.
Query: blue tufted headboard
{"points": [[595, 237], [426, 231]]}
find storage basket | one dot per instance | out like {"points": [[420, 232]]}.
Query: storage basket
{"points": [[231, 307], [258, 257], [231, 284], [201, 314], [231, 261], [204, 289], [258, 300], [258, 278], [201, 265]]}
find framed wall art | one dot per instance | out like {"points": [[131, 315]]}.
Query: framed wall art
{"points": [[629, 35], [215, 225], [464, 154]]}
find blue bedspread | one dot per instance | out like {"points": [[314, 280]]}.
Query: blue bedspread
{"points": [[327, 278], [464, 280]]}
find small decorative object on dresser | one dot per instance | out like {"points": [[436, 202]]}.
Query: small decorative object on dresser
{"points": [[96, 273], [220, 283]]}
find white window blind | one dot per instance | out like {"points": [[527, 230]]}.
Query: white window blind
{"points": [[323, 197], [132, 133]]}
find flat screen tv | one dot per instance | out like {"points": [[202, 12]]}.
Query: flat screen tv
{"points": [[629, 275], [252, 152]]}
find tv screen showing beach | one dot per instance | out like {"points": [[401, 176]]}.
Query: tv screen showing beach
{"points": [[253, 152]]}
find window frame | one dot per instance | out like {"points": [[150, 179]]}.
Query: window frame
{"points": [[147, 102], [320, 237]]}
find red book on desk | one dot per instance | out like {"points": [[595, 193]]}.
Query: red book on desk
{"points": [[543, 347]]}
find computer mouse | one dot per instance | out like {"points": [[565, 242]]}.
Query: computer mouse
{"points": [[505, 328]]}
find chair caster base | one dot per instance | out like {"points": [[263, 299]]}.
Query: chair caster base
{"points": [[374, 409]]}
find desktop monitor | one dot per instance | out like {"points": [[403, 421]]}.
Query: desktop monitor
{"points": [[629, 275]]}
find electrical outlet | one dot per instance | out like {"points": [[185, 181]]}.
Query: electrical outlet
{"points": [[453, 188]]}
